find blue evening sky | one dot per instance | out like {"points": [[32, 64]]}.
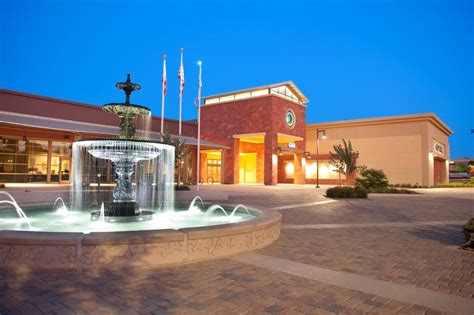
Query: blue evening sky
{"points": [[352, 59]]}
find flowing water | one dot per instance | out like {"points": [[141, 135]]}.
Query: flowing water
{"points": [[136, 170]]}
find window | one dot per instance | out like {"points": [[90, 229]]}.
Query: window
{"points": [[285, 92], [60, 161], [26, 160], [213, 171]]}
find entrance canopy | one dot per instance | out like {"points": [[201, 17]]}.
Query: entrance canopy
{"points": [[258, 137]]}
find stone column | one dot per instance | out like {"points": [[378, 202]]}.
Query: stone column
{"points": [[300, 168], [230, 163], [236, 161], [271, 163], [193, 152]]}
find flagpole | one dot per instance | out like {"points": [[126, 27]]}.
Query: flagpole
{"points": [[180, 95], [181, 88], [163, 93], [199, 127]]}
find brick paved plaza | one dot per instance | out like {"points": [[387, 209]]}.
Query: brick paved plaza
{"points": [[389, 254]]}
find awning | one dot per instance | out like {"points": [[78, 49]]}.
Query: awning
{"points": [[25, 120]]}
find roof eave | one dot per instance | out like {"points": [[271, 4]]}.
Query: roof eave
{"points": [[290, 83]]}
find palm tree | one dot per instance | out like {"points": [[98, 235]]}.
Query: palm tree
{"points": [[344, 160]]}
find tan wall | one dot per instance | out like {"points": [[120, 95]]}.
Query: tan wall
{"points": [[400, 149]]}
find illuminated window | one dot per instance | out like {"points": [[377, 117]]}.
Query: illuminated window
{"points": [[213, 170], [285, 92], [311, 170], [236, 96], [289, 169], [26, 160]]}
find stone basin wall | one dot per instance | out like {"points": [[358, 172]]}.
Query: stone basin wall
{"points": [[78, 251]]}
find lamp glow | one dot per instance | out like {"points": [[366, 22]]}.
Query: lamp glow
{"points": [[199, 62]]}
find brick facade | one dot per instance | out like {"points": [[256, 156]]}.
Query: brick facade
{"points": [[265, 114]]}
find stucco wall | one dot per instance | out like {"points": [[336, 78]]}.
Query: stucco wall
{"points": [[396, 148]]}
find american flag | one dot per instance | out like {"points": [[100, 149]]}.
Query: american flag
{"points": [[181, 75], [200, 74], [163, 78]]}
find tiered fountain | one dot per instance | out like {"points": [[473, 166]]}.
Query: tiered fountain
{"points": [[149, 228], [131, 158]]}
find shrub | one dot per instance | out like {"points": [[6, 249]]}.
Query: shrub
{"points": [[372, 178], [346, 192], [468, 229], [181, 187], [391, 190], [361, 192], [456, 185]]}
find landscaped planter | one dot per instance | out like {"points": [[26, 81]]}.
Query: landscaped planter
{"points": [[468, 229]]}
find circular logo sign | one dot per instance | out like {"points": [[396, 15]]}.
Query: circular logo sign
{"points": [[290, 118]]}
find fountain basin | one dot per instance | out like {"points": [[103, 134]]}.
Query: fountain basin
{"points": [[118, 150], [148, 248]]}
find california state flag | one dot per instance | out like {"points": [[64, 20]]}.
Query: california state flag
{"points": [[163, 78], [181, 75]]}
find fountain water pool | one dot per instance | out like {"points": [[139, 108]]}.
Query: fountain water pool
{"points": [[47, 219], [138, 224]]}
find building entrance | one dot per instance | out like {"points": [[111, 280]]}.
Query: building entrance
{"points": [[439, 171], [248, 167]]}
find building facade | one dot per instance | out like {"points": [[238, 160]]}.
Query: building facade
{"points": [[257, 125], [410, 149], [252, 136], [37, 132]]}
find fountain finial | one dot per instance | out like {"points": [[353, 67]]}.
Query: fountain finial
{"points": [[127, 111], [128, 87]]}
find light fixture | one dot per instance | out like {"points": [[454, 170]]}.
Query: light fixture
{"points": [[278, 151], [307, 155], [199, 62], [323, 136]]}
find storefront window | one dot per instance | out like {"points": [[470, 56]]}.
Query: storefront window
{"points": [[26, 160], [60, 161]]}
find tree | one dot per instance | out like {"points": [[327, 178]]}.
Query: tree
{"points": [[344, 159], [462, 168], [180, 151]]}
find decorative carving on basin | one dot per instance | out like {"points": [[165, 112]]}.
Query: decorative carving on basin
{"points": [[79, 251]]}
